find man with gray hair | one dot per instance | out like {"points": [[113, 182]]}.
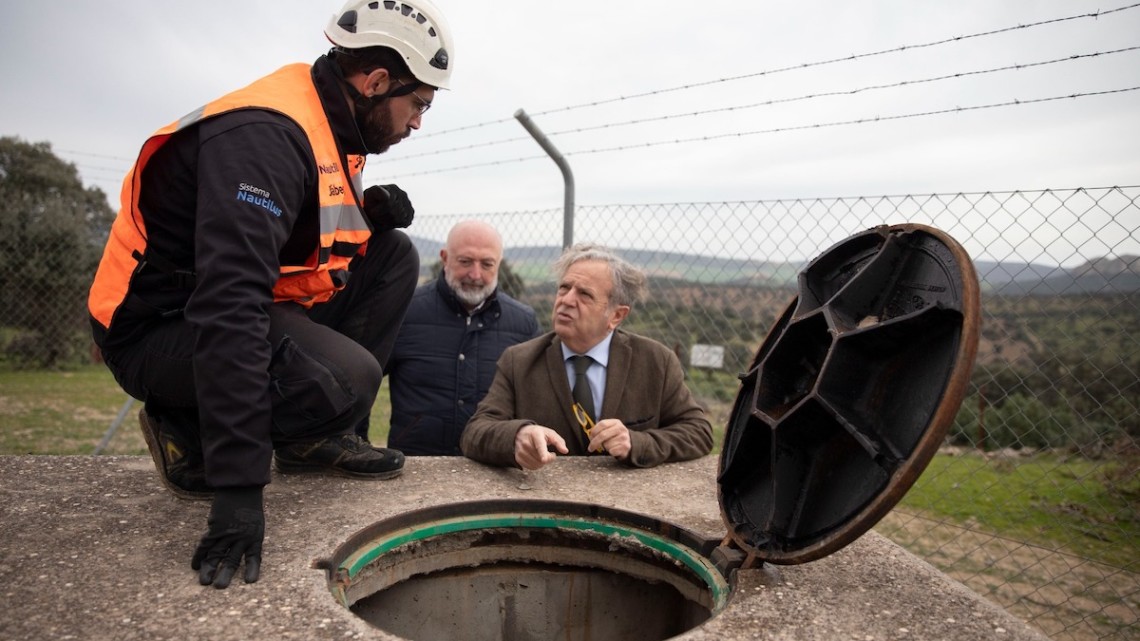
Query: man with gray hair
{"points": [[588, 387]]}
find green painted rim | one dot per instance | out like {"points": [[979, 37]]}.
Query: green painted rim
{"points": [[357, 561]]}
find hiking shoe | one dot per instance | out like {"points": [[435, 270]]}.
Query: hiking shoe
{"points": [[344, 455], [180, 465]]}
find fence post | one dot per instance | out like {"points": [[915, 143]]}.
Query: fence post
{"points": [[981, 445], [114, 426], [567, 175]]}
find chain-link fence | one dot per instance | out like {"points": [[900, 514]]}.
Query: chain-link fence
{"points": [[1033, 501]]}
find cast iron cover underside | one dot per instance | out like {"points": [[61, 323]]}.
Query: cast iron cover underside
{"points": [[850, 394]]}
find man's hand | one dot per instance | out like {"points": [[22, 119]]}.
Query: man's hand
{"points": [[387, 207], [235, 529], [612, 435], [531, 446]]}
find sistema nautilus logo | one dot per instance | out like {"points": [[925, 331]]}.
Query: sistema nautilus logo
{"points": [[258, 196]]}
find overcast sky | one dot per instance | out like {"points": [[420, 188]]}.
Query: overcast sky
{"points": [[94, 78]]}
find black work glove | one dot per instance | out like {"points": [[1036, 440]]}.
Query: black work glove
{"points": [[387, 207], [235, 529]]}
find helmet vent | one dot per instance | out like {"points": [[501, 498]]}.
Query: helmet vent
{"points": [[405, 9], [439, 60], [347, 21]]}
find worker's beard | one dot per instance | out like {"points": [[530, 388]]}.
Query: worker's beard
{"points": [[376, 128]]}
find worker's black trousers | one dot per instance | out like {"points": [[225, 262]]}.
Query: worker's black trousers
{"points": [[328, 361]]}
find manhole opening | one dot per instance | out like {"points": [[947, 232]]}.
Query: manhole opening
{"points": [[517, 602], [520, 577]]}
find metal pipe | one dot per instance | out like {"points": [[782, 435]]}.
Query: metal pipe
{"points": [[114, 426], [567, 175]]}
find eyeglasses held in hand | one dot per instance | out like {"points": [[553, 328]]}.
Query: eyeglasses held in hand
{"points": [[584, 420]]}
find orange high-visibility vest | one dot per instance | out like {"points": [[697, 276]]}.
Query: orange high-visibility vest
{"points": [[343, 229]]}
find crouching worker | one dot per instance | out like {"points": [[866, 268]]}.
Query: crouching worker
{"points": [[251, 290]]}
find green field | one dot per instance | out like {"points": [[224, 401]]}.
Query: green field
{"points": [[46, 412], [1091, 508]]}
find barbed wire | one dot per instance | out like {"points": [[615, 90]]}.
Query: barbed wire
{"points": [[766, 103], [126, 162], [94, 155], [741, 134], [111, 176], [119, 171], [806, 65]]}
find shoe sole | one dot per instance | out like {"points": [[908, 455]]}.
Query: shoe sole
{"points": [[155, 448], [304, 468]]}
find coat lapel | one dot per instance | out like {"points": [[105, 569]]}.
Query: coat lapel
{"points": [[617, 373], [556, 369]]}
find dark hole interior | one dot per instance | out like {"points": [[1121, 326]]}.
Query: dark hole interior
{"points": [[530, 602]]}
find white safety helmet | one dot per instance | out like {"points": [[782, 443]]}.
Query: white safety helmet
{"points": [[414, 28]]}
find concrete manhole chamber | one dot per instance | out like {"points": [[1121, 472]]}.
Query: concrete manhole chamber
{"points": [[844, 404]]}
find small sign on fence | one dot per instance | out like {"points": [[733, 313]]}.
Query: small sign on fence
{"points": [[707, 356]]}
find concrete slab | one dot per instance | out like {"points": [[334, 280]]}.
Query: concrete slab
{"points": [[94, 548]]}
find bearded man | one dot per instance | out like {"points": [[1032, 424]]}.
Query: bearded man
{"points": [[251, 288], [456, 328]]}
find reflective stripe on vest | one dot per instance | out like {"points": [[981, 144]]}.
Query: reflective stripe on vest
{"points": [[343, 229]]}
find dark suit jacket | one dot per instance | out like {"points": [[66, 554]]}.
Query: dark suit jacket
{"points": [[645, 388]]}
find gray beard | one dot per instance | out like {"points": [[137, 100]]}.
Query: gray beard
{"points": [[471, 297]]}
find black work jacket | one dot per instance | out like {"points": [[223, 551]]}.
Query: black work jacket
{"points": [[193, 220]]}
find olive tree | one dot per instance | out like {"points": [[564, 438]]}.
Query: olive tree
{"points": [[52, 231]]}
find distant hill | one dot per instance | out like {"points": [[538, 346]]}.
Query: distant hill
{"points": [[1097, 276], [533, 263], [1117, 275], [997, 274]]}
